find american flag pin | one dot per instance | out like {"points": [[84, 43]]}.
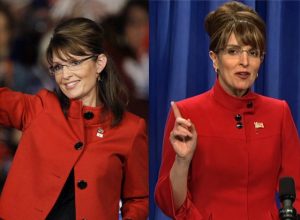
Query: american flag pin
{"points": [[259, 125], [100, 133]]}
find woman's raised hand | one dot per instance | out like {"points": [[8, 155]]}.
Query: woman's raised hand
{"points": [[183, 137]]}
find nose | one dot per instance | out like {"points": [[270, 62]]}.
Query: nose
{"points": [[244, 58], [66, 73]]}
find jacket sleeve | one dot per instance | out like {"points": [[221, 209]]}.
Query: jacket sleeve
{"points": [[135, 191], [163, 191], [17, 109], [290, 146]]}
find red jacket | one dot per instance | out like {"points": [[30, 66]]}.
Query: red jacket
{"points": [[235, 169], [109, 165]]}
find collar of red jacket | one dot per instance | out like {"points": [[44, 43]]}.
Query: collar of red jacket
{"points": [[244, 104], [77, 110]]}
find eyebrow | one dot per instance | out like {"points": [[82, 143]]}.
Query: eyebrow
{"points": [[65, 61], [57, 63], [233, 45], [236, 45]]}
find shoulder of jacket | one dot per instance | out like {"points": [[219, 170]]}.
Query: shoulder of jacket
{"points": [[194, 99], [131, 118], [266, 100], [49, 99]]}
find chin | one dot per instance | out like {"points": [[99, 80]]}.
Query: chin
{"points": [[71, 96], [243, 86]]}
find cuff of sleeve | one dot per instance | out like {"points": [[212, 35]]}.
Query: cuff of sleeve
{"points": [[183, 210], [165, 200]]}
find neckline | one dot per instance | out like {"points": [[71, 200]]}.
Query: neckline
{"points": [[77, 111], [245, 103]]}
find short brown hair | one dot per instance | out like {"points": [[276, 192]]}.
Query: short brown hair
{"points": [[235, 17], [83, 37]]}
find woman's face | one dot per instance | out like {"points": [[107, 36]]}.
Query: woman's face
{"points": [[80, 81], [236, 71]]}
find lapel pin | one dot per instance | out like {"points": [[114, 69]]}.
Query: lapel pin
{"points": [[100, 133], [258, 125]]}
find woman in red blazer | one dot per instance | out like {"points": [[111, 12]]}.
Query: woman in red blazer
{"points": [[80, 152], [225, 150]]}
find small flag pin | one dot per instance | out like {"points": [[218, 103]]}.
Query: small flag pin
{"points": [[258, 125], [100, 132]]}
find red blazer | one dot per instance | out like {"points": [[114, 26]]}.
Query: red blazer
{"points": [[106, 168], [235, 169]]}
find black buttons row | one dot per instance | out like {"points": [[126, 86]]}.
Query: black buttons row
{"points": [[81, 184], [239, 123]]}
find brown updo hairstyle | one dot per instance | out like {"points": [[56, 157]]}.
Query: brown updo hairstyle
{"points": [[235, 17], [83, 37]]}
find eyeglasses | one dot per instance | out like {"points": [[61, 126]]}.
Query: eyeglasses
{"points": [[73, 65], [237, 51]]}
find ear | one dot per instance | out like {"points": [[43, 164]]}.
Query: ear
{"points": [[101, 63], [214, 57], [262, 58]]}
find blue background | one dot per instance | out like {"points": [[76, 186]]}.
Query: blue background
{"points": [[180, 66]]}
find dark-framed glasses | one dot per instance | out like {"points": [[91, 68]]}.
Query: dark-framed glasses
{"points": [[73, 65], [237, 51]]}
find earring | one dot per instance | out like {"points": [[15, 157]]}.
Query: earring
{"points": [[99, 78], [256, 75]]}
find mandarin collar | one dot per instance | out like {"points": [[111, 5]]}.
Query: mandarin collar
{"points": [[90, 115], [75, 109], [244, 104]]}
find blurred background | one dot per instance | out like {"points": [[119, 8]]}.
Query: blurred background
{"points": [[25, 30]]}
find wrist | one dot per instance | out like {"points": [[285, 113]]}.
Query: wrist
{"points": [[182, 161]]}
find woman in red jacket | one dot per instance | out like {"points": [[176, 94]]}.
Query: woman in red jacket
{"points": [[80, 152], [225, 150]]}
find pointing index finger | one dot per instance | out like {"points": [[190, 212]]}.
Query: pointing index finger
{"points": [[175, 110]]}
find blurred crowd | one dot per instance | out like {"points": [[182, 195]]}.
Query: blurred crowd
{"points": [[25, 30]]}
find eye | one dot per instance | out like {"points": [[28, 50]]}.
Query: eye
{"points": [[233, 51], [254, 53], [56, 68], [75, 62]]}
